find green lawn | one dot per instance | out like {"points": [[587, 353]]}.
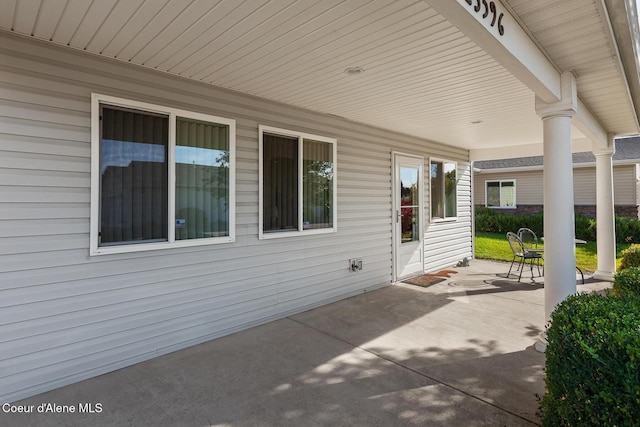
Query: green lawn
{"points": [[495, 246]]}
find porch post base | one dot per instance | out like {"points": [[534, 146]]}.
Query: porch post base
{"points": [[607, 276], [541, 342]]}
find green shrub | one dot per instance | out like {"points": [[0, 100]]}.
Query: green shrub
{"points": [[493, 221], [627, 230], [585, 228], [627, 282], [630, 257], [593, 362]]}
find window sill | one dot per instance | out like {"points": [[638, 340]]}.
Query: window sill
{"points": [[441, 220], [285, 234], [502, 207], [146, 247]]}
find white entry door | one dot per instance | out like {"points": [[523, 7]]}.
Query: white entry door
{"points": [[408, 235]]}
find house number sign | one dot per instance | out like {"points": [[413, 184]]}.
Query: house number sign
{"points": [[485, 7]]}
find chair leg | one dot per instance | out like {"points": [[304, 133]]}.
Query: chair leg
{"points": [[539, 261], [531, 267], [511, 266], [521, 268]]}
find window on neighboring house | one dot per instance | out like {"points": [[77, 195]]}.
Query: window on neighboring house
{"points": [[501, 194], [161, 177], [298, 184], [444, 203]]}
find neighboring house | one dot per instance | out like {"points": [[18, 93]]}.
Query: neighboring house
{"points": [[515, 186]]}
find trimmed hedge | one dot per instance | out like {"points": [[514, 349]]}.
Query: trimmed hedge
{"points": [[490, 220], [593, 362], [627, 282]]}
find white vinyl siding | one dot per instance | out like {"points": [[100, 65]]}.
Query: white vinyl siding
{"points": [[447, 242], [67, 316]]}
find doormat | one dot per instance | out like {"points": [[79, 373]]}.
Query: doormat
{"points": [[424, 280], [429, 279]]}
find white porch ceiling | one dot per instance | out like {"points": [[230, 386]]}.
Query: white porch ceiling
{"points": [[575, 38], [422, 75]]}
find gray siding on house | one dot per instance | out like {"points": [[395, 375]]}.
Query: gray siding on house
{"points": [[530, 185], [66, 316], [624, 185]]}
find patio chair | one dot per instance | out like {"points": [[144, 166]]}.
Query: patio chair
{"points": [[519, 252], [529, 239], [530, 242]]}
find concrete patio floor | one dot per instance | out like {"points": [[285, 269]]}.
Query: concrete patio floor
{"points": [[457, 353]]}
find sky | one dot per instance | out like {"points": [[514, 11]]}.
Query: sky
{"points": [[121, 153]]}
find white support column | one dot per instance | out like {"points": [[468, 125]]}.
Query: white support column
{"points": [[605, 214], [559, 223]]}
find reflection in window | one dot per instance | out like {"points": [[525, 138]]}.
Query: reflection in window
{"points": [[298, 182], [410, 204], [443, 189], [280, 182], [202, 179], [133, 204], [138, 164], [317, 179]]}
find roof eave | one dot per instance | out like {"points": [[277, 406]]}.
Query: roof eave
{"points": [[627, 162], [623, 16]]}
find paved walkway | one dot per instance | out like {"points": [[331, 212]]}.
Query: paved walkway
{"points": [[457, 353]]}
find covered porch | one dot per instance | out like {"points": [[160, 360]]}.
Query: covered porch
{"points": [[442, 82], [455, 353]]}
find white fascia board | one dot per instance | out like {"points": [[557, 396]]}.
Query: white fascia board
{"points": [[578, 145], [513, 49], [510, 152], [624, 33], [516, 52]]}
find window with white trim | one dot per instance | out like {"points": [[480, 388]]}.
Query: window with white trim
{"points": [[297, 183], [501, 193], [160, 177], [444, 191]]}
